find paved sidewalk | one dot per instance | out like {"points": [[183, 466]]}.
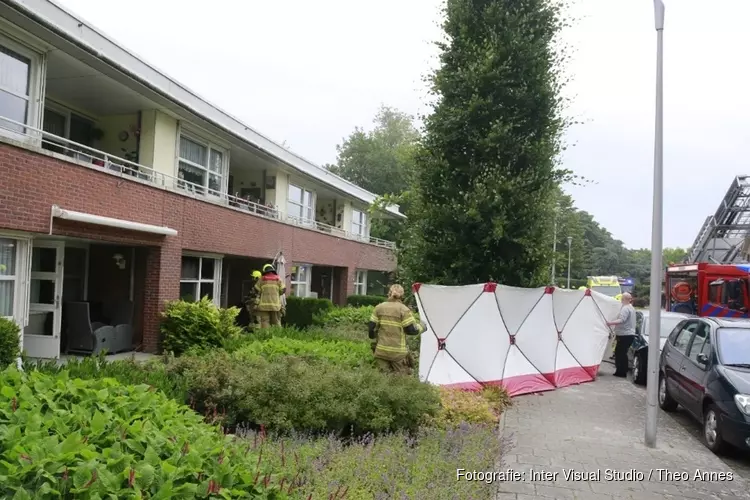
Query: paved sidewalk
{"points": [[599, 426]]}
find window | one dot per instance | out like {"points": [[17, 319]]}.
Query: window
{"points": [[201, 166], [683, 338], [359, 223], [300, 276], [360, 282], [733, 346], [18, 90], [200, 277], [701, 343], [67, 124], [300, 204], [8, 250]]}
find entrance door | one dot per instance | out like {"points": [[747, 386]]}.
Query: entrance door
{"points": [[41, 338]]}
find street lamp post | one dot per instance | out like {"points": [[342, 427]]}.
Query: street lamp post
{"points": [[554, 248], [570, 240], [656, 236]]}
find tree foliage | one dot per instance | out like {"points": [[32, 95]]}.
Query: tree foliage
{"points": [[486, 172], [381, 160]]}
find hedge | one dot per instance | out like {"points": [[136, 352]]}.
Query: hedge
{"points": [[364, 300], [9, 342], [300, 312]]}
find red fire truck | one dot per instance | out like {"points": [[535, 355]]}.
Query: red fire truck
{"points": [[709, 289]]}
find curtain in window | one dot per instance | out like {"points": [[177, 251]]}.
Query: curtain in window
{"points": [[7, 270], [192, 151]]}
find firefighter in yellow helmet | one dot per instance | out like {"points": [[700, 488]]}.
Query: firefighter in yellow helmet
{"points": [[252, 299], [269, 288], [390, 322]]}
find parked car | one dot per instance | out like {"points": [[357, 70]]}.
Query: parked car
{"points": [[705, 368], [638, 352]]}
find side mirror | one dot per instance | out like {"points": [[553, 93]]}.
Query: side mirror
{"points": [[702, 359]]}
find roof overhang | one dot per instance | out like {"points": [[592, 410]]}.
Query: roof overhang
{"points": [[78, 31], [109, 221]]}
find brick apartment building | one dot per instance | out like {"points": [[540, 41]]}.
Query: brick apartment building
{"points": [[120, 186]]}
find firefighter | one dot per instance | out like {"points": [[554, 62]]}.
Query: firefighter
{"points": [[252, 299], [269, 289], [390, 322]]}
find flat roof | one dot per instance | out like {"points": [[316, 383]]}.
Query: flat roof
{"points": [[79, 31]]}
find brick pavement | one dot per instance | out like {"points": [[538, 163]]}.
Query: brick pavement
{"points": [[599, 426]]}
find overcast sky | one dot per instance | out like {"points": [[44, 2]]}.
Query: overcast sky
{"points": [[308, 72]]}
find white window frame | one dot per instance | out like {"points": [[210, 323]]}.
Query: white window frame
{"points": [[295, 282], [360, 227], [12, 278], [216, 280], [209, 145], [22, 279], [308, 212], [360, 282], [36, 90]]}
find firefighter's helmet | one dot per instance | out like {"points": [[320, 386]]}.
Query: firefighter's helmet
{"points": [[256, 274], [268, 268]]}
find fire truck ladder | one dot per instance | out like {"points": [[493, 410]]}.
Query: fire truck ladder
{"points": [[723, 237]]}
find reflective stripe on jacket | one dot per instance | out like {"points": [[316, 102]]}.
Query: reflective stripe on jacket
{"points": [[390, 319], [269, 288]]}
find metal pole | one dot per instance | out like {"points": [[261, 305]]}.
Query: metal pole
{"points": [[554, 250], [656, 236], [570, 240]]}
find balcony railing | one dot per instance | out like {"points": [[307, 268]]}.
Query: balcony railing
{"points": [[115, 165]]}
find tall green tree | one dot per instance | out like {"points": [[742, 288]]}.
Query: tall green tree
{"points": [[486, 174]]}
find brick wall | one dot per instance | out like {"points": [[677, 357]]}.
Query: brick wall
{"points": [[33, 181]]}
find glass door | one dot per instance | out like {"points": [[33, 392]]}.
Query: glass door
{"points": [[41, 338]]}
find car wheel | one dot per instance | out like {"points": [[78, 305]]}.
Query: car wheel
{"points": [[639, 368], [666, 402], [712, 430]]}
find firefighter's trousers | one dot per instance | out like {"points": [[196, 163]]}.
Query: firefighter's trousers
{"points": [[269, 318]]}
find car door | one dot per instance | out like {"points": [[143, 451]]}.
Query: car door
{"points": [[640, 324], [693, 373], [674, 358]]}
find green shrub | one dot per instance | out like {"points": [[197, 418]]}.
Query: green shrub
{"points": [[364, 300], [127, 372], [300, 311], [290, 393], [10, 336], [196, 324], [339, 352], [70, 438], [345, 315]]}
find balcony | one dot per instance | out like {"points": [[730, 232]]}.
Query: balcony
{"points": [[135, 172]]}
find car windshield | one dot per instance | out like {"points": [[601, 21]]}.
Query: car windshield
{"points": [[734, 346], [610, 291]]}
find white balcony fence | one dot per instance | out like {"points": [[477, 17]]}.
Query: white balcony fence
{"points": [[127, 169]]}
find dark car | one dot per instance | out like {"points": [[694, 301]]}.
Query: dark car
{"points": [[705, 368], [638, 352]]}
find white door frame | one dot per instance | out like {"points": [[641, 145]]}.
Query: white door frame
{"points": [[46, 346]]}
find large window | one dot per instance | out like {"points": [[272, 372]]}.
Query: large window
{"points": [[360, 282], [359, 223], [202, 166], [18, 69], [300, 205], [8, 277], [200, 277], [300, 277]]}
